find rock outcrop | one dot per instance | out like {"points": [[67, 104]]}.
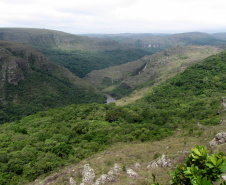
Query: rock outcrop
{"points": [[162, 162], [220, 138], [224, 103], [131, 173], [105, 178], [116, 170], [88, 175], [137, 166], [72, 181]]}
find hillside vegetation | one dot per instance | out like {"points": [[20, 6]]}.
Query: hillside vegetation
{"points": [[122, 80], [79, 54], [40, 143], [127, 155], [30, 82]]}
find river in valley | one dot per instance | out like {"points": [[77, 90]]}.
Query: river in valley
{"points": [[110, 99]]}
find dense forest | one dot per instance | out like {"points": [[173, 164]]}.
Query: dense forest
{"points": [[40, 143], [83, 62], [30, 82]]}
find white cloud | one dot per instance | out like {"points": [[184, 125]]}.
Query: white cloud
{"points": [[107, 16]]}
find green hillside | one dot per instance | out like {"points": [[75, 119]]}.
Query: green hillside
{"points": [[152, 69], [40, 143], [79, 54], [30, 82]]}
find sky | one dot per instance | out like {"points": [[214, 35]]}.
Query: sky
{"points": [[116, 16]]}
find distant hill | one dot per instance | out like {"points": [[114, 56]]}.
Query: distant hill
{"points": [[79, 54], [30, 82], [159, 42], [221, 36], [124, 79], [57, 39]]}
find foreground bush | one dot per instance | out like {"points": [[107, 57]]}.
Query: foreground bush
{"points": [[200, 168]]}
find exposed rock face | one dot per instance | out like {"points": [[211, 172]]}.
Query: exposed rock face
{"points": [[72, 181], [163, 162], [137, 166], [224, 102], [14, 73], [115, 170], [103, 179], [11, 71], [220, 138], [88, 175], [199, 125], [152, 165], [110, 177], [223, 177], [132, 174]]}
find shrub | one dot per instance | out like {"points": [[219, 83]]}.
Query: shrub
{"points": [[200, 168]]}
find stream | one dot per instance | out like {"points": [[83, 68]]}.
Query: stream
{"points": [[109, 98]]}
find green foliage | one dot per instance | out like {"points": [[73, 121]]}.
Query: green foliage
{"points": [[40, 143], [83, 62], [192, 95], [200, 168], [157, 155], [124, 168], [45, 85]]}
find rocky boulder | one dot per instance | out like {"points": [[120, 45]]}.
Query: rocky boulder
{"points": [[105, 178], [224, 103], [110, 177], [72, 181], [131, 173], [116, 170], [220, 138], [137, 166], [88, 175], [162, 162]]}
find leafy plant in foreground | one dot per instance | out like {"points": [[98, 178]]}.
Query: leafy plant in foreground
{"points": [[200, 168]]}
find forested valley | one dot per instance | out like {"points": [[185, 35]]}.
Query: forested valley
{"points": [[51, 119]]}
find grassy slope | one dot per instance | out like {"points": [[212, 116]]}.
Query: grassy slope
{"points": [[128, 154], [30, 82], [123, 79]]}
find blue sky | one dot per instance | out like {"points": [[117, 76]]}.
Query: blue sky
{"points": [[116, 16]]}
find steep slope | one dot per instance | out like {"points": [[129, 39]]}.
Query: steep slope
{"points": [[124, 79], [29, 82], [79, 54], [47, 141]]}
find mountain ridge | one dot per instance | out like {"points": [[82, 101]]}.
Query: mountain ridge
{"points": [[79, 54]]}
